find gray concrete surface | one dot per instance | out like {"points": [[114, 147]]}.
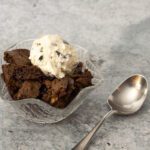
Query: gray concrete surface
{"points": [[119, 33]]}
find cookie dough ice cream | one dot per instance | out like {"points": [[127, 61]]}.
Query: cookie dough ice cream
{"points": [[53, 55]]}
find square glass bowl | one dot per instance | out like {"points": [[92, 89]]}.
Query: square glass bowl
{"points": [[38, 111]]}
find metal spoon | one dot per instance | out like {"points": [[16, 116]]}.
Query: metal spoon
{"points": [[127, 99]]}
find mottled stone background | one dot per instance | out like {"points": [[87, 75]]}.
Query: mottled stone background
{"points": [[119, 33]]}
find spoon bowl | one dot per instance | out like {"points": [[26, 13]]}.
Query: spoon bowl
{"points": [[129, 96]]}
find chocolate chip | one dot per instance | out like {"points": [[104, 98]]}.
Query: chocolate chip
{"points": [[38, 44], [54, 44], [40, 58], [58, 53], [65, 42], [41, 50], [69, 55]]}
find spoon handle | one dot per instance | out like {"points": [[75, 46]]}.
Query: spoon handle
{"points": [[86, 140]]}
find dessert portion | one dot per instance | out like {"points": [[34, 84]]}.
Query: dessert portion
{"points": [[34, 74], [53, 55]]}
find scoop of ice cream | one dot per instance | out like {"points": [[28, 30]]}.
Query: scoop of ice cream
{"points": [[53, 55]]}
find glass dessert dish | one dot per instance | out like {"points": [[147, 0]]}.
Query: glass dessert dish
{"points": [[38, 111]]}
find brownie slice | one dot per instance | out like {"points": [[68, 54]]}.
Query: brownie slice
{"points": [[12, 84], [28, 73], [65, 95], [17, 57], [8, 70], [78, 70], [84, 80], [58, 91], [29, 89], [21, 72]]}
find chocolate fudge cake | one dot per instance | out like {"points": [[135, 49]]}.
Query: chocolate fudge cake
{"points": [[25, 80]]}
